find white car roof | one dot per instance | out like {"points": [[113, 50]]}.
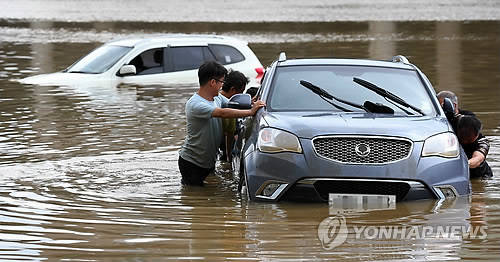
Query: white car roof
{"points": [[179, 39]]}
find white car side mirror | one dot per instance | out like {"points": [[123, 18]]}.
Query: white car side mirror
{"points": [[127, 70]]}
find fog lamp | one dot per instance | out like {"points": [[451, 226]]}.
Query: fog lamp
{"points": [[446, 191], [271, 190]]}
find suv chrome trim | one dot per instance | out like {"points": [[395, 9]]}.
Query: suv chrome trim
{"points": [[368, 137], [439, 191], [310, 181]]}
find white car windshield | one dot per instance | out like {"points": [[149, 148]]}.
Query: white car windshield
{"points": [[99, 60]]}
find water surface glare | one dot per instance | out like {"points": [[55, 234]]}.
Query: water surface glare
{"points": [[253, 11]]}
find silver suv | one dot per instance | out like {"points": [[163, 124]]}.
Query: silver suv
{"points": [[335, 129]]}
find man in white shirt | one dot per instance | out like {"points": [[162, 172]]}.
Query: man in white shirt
{"points": [[204, 111]]}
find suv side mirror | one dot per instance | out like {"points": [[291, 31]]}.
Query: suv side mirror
{"points": [[448, 107], [240, 101], [127, 70]]}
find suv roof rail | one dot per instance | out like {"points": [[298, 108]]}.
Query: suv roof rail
{"points": [[400, 59], [282, 57]]}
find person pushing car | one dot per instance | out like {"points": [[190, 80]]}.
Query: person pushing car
{"points": [[204, 111], [467, 128]]}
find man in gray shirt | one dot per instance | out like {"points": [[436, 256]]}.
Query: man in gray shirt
{"points": [[204, 111]]}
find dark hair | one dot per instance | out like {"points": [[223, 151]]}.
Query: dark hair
{"points": [[468, 126], [210, 70], [235, 79]]}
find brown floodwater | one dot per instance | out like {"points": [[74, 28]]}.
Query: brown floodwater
{"points": [[90, 174]]}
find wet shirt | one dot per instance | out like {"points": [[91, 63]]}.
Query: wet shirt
{"points": [[203, 132], [229, 126], [481, 144]]}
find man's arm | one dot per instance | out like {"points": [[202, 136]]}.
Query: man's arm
{"points": [[479, 155], [231, 113], [476, 159], [235, 113], [483, 145]]}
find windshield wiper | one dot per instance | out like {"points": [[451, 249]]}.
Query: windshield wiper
{"points": [[384, 93], [324, 94]]}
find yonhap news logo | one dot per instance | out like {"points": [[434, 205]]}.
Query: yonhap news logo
{"points": [[333, 231]]}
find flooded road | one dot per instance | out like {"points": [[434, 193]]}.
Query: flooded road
{"points": [[90, 174], [252, 11]]}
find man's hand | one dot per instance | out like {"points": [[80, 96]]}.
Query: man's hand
{"points": [[256, 105], [235, 113], [476, 159]]}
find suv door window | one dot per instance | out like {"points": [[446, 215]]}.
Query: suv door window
{"points": [[149, 62], [189, 57], [226, 54]]}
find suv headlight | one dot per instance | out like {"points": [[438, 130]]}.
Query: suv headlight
{"points": [[443, 145], [274, 140]]}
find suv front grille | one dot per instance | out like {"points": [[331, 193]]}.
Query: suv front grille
{"points": [[362, 150]]}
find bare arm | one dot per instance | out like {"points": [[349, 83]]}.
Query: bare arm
{"points": [[230, 113], [235, 113], [484, 145], [477, 158], [479, 155]]}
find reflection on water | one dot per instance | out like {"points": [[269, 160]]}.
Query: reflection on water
{"points": [[64, 121], [132, 205], [91, 173]]}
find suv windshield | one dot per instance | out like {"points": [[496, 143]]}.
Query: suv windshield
{"points": [[99, 60], [287, 94]]}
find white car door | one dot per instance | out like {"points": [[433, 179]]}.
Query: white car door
{"points": [[167, 66], [183, 63], [150, 68]]}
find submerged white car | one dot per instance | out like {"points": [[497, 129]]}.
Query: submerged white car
{"points": [[163, 60]]}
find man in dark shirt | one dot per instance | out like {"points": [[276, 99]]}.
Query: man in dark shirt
{"points": [[454, 100], [467, 127], [475, 145]]}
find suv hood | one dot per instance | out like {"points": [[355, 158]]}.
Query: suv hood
{"points": [[312, 124]]}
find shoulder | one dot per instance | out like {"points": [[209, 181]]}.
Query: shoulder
{"points": [[221, 100], [221, 97], [466, 112], [196, 100], [193, 99], [197, 106]]}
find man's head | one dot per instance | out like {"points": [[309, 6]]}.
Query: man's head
{"points": [[468, 129], [235, 83], [211, 75], [450, 95]]}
